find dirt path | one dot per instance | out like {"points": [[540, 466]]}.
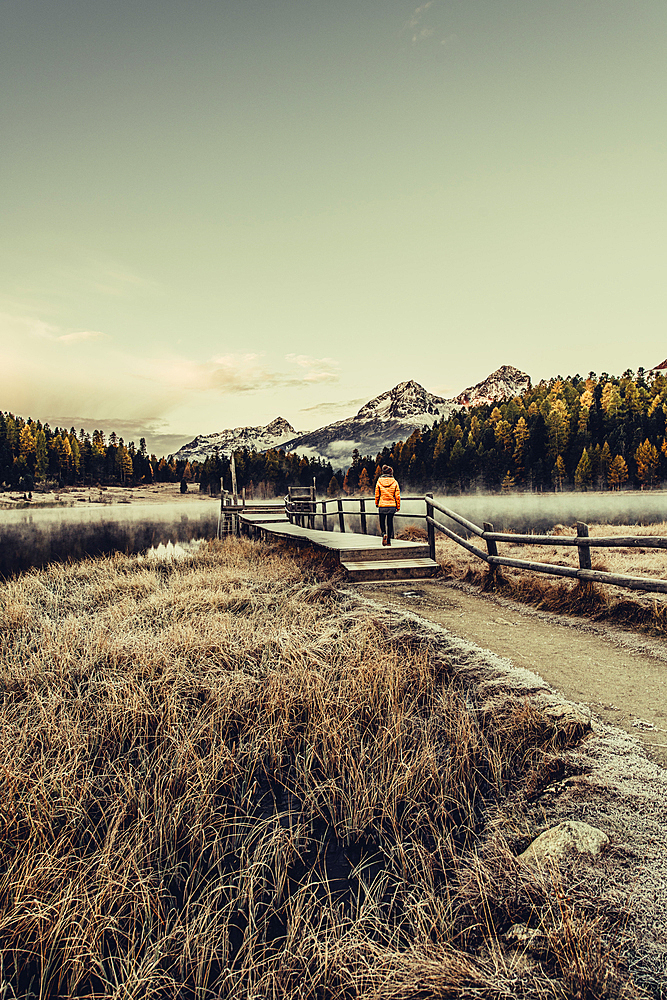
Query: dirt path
{"points": [[620, 675]]}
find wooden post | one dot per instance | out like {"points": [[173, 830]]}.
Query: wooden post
{"points": [[362, 508], [584, 550], [325, 519], [341, 516], [233, 468], [429, 527], [243, 495], [492, 549]]}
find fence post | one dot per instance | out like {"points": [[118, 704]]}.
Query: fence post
{"points": [[362, 508], [491, 548], [325, 519], [430, 530], [584, 550], [341, 516]]}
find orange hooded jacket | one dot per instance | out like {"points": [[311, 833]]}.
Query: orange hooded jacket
{"points": [[387, 493]]}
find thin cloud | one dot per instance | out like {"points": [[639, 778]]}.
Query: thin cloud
{"points": [[71, 338], [160, 441], [248, 373], [109, 277], [415, 19], [420, 31], [317, 369], [231, 373], [306, 361], [414, 22], [31, 327], [334, 407]]}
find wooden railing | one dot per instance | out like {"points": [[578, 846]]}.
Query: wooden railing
{"points": [[582, 541], [331, 511]]}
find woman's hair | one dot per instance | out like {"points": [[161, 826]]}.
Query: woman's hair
{"points": [[387, 470]]}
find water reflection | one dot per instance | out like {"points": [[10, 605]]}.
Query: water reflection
{"points": [[34, 538], [170, 552]]}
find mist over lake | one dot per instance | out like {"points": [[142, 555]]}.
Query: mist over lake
{"points": [[35, 537]]}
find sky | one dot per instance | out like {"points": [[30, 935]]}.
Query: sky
{"points": [[215, 212]]}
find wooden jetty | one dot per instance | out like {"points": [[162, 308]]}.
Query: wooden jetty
{"points": [[362, 556]]}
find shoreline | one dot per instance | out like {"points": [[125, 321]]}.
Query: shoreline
{"points": [[96, 496]]}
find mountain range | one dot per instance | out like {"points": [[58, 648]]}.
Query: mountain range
{"points": [[391, 416]]}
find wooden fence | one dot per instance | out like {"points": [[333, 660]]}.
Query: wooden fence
{"points": [[582, 540], [328, 512]]}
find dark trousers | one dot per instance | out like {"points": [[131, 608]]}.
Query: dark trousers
{"points": [[387, 521]]}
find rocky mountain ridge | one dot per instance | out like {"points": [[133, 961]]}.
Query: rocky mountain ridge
{"points": [[392, 416], [274, 435], [505, 383]]}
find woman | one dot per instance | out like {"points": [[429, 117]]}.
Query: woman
{"points": [[387, 501]]}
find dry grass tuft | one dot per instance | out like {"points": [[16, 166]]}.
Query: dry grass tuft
{"points": [[221, 779], [413, 534]]}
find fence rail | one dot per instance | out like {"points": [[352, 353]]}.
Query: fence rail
{"points": [[335, 510]]}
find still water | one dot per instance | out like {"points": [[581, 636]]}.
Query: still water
{"points": [[36, 537]]}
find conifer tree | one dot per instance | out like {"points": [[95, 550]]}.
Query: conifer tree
{"points": [[618, 472], [647, 459], [559, 472], [26, 443], [76, 454], [583, 474], [558, 425], [65, 455], [605, 463], [127, 467], [333, 489], [364, 482], [521, 439], [41, 455]]}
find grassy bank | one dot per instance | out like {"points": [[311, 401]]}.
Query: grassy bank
{"points": [[598, 601], [223, 779]]}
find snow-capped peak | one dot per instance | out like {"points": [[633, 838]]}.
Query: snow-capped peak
{"points": [[407, 399], [504, 383], [275, 434]]}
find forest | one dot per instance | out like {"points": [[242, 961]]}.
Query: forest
{"points": [[574, 433]]}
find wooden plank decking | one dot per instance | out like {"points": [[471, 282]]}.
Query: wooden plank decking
{"points": [[363, 557]]}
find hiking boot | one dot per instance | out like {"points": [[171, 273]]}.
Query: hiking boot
{"points": [[385, 540]]}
